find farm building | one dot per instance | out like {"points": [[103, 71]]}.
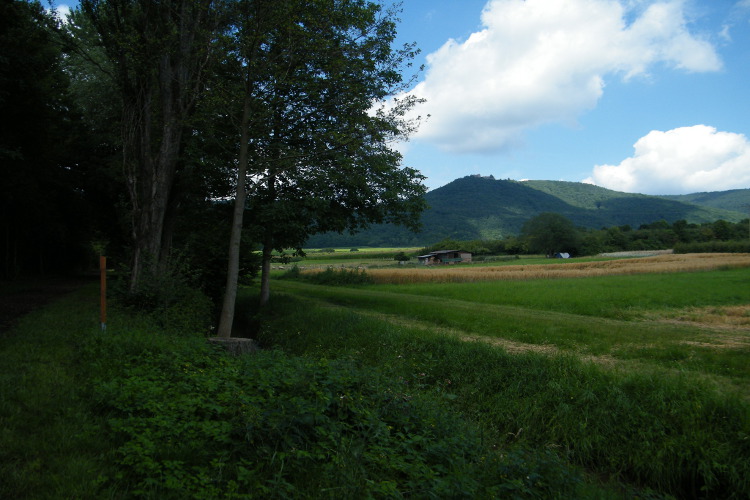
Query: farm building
{"points": [[445, 257]]}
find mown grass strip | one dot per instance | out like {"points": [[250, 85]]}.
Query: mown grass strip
{"points": [[623, 297], [664, 345], [51, 444]]}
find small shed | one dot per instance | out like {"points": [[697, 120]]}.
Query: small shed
{"points": [[445, 257]]}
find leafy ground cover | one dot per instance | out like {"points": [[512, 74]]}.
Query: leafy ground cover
{"points": [[141, 412], [606, 377]]}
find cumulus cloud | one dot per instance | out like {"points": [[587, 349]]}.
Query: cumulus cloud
{"points": [[542, 61], [679, 161]]}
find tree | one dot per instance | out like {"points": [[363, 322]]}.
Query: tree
{"points": [[317, 155], [44, 219], [157, 52], [550, 233]]}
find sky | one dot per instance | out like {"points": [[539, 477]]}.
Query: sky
{"points": [[640, 96]]}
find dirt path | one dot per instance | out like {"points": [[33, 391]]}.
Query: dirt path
{"points": [[20, 297]]}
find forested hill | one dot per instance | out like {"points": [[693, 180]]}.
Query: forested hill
{"points": [[477, 207], [735, 199]]}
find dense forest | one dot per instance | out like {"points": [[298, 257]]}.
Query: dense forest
{"points": [[181, 137]]}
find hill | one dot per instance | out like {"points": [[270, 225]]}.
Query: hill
{"points": [[476, 207], [737, 200]]}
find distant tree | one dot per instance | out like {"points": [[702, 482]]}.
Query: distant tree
{"points": [[592, 242], [549, 233], [401, 257], [723, 230]]}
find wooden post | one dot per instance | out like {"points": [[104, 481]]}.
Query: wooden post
{"points": [[103, 297]]}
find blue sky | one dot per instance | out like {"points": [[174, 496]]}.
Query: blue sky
{"points": [[634, 95], [646, 96]]}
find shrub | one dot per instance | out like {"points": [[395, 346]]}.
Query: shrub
{"points": [[169, 298], [292, 274], [341, 276], [401, 257]]}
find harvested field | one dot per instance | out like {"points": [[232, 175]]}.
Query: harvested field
{"points": [[723, 318], [658, 264]]}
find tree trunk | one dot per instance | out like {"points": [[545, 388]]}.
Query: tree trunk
{"points": [[149, 213], [159, 84], [233, 267]]}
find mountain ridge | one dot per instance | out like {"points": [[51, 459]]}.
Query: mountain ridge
{"points": [[477, 207]]}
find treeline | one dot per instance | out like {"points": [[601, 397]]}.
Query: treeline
{"points": [[681, 236], [179, 137]]}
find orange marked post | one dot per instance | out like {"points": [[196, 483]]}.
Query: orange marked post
{"points": [[103, 279]]}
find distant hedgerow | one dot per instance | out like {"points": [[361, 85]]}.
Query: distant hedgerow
{"points": [[340, 276], [713, 247]]}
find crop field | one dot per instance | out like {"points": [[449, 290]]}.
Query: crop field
{"points": [[636, 369], [559, 269]]}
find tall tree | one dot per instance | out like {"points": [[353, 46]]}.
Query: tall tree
{"points": [[550, 233], [317, 155], [158, 53], [44, 221]]}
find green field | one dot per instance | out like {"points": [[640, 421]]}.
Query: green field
{"points": [[601, 387], [632, 377]]}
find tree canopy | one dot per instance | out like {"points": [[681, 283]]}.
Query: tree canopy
{"points": [[45, 218], [129, 124], [312, 154], [550, 233]]}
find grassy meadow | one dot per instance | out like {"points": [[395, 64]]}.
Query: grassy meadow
{"points": [[640, 375], [600, 386]]}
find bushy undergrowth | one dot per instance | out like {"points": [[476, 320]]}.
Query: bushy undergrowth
{"points": [[170, 298], [193, 423], [671, 433], [331, 276]]}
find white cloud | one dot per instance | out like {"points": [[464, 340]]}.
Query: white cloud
{"points": [[542, 61], [679, 161]]}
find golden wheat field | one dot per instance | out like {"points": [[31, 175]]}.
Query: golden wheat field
{"points": [[467, 273]]}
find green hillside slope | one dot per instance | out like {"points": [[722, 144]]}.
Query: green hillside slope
{"points": [[477, 207], [737, 200]]}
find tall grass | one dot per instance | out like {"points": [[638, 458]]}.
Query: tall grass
{"points": [[672, 432]]}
